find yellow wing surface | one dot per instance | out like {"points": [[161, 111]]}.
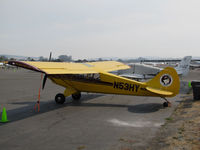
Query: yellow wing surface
{"points": [[108, 66], [70, 68]]}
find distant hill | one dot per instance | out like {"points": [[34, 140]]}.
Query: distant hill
{"points": [[18, 57], [104, 58]]}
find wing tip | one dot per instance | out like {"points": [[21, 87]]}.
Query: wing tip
{"points": [[24, 65]]}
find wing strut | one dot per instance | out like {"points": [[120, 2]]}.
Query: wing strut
{"points": [[37, 105]]}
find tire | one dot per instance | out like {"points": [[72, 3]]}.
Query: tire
{"points": [[60, 98], [76, 96], [165, 104]]}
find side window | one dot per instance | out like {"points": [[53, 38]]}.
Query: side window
{"points": [[96, 76], [92, 76]]}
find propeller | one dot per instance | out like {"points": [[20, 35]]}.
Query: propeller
{"points": [[50, 56], [44, 81], [45, 76]]}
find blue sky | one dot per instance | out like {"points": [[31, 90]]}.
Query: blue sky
{"points": [[106, 28]]}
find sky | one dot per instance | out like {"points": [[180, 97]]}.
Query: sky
{"points": [[100, 28]]}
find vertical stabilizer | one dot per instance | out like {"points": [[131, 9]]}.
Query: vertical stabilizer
{"points": [[165, 84], [183, 66]]}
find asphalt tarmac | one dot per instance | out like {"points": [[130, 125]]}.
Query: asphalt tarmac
{"points": [[98, 122]]}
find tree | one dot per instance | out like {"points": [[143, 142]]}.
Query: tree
{"points": [[12, 59], [30, 59], [41, 58], [65, 58], [3, 58], [100, 59]]}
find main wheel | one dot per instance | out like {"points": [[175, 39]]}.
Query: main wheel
{"points": [[76, 96], [60, 98]]}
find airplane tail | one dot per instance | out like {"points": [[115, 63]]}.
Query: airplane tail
{"points": [[165, 84], [183, 66]]}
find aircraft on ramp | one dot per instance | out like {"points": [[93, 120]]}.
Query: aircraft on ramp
{"points": [[94, 77], [142, 71], [195, 64]]}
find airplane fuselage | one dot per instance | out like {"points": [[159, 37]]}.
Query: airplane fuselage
{"points": [[115, 85]]}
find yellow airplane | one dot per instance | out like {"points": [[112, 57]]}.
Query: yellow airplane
{"points": [[94, 77]]}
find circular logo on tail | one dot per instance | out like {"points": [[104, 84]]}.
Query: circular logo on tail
{"points": [[166, 80]]}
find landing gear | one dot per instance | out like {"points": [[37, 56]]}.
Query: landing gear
{"points": [[60, 98], [167, 103], [76, 96]]}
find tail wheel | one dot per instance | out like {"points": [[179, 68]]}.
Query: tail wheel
{"points": [[165, 104], [60, 98], [76, 96]]}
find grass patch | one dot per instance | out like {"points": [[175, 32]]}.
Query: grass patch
{"points": [[81, 147], [169, 119]]}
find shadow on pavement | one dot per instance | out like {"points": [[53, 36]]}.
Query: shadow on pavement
{"points": [[139, 108], [28, 110], [146, 108]]}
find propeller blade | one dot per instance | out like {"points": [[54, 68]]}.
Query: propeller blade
{"points": [[50, 56], [44, 81]]}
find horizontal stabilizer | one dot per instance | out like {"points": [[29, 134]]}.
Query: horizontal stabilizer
{"points": [[159, 92]]}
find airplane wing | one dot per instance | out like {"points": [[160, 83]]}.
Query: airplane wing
{"points": [[69, 68], [109, 65]]}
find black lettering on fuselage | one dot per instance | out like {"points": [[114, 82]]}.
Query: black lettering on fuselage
{"points": [[131, 87], [121, 85], [116, 85], [136, 87], [126, 86]]}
